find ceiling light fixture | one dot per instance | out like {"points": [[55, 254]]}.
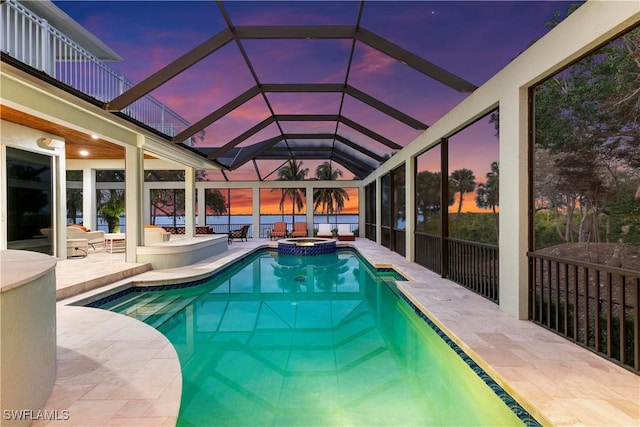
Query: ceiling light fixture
{"points": [[83, 153], [94, 137]]}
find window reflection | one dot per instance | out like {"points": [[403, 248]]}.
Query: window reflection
{"points": [[29, 217]]}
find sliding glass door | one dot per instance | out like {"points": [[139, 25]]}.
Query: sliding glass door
{"points": [[29, 200]]}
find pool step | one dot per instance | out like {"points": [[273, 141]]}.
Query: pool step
{"points": [[155, 307], [131, 307], [175, 309], [120, 305]]}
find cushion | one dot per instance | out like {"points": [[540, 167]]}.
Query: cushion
{"points": [[80, 226]]}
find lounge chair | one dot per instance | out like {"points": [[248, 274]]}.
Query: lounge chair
{"points": [[345, 233], [279, 230], [94, 238], [240, 233], [299, 230], [155, 234], [324, 230]]}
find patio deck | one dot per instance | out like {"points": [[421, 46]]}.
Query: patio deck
{"points": [[558, 382]]}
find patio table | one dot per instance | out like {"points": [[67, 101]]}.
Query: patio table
{"points": [[114, 242]]}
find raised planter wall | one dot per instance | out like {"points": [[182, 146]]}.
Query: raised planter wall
{"points": [[27, 334]]}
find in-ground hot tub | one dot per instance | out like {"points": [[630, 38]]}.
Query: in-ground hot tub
{"points": [[306, 246]]}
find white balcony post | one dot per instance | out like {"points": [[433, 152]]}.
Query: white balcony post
{"points": [[45, 48]]}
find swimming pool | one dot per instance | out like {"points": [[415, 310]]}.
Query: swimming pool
{"points": [[320, 340]]}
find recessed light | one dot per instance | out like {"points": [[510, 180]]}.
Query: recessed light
{"points": [[94, 136], [83, 153]]}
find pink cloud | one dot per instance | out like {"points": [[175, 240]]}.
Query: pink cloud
{"points": [[370, 60]]}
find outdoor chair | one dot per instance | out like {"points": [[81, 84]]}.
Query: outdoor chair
{"points": [[324, 230], [240, 233], [155, 234], [299, 230], [94, 238], [345, 233], [279, 230]]}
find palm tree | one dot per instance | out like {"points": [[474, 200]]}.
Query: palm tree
{"points": [[487, 194], [428, 201], [111, 206], [462, 181], [292, 171], [330, 200]]}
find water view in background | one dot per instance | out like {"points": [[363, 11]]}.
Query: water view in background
{"points": [[222, 224]]}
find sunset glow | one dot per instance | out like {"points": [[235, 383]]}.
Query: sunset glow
{"points": [[155, 33]]}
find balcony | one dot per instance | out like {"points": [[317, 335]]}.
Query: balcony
{"points": [[34, 41]]}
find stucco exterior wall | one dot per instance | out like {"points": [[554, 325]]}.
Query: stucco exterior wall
{"points": [[27, 334]]}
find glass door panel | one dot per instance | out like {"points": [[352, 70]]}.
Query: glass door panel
{"points": [[29, 199]]}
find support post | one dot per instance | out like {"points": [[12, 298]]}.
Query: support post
{"points": [[134, 184], [444, 207]]}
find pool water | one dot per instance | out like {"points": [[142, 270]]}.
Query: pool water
{"points": [[311, 341]]}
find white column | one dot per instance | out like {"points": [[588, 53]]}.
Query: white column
{"points": [[146, 203], [189, 201], [202, 207], [89, 202], [255, 211], [134, 185], [59, 175], [410, 211], [514, 225]]}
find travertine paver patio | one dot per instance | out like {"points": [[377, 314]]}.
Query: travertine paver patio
{"points": [[558, 382]]}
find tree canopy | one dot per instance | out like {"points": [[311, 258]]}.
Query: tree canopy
{"points": [[292, 171], [587, 144], [329, 200]]}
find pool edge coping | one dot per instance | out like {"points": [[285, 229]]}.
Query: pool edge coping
{"points": [[230, 260]]}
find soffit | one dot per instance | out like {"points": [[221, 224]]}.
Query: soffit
{"points": [[75, 141]]}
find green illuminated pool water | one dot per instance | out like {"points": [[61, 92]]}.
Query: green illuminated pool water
{"points": [[311, 341]]}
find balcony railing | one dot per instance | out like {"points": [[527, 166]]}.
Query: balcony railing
{"points": [[592, 305], [32, 41]]}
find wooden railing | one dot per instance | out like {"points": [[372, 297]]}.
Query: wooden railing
{"points": [[593, 305]]}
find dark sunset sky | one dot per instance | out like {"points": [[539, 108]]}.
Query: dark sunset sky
{"points": [[472, 39]]}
